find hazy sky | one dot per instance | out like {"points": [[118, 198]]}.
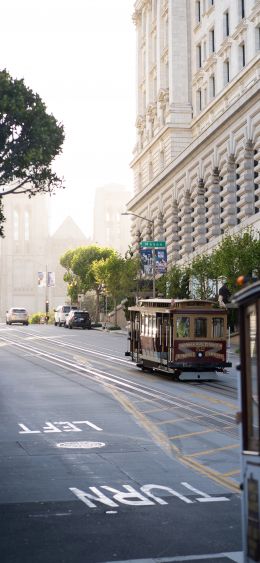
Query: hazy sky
{"points": [[79, 56]]}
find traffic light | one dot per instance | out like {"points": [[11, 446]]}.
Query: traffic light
{"points": [[47, 307]]}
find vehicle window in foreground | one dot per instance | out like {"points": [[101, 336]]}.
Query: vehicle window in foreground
{"points": [[201, 327], [183, 327], [19, 311], [80, 314], [218, 327], [66, 309]]}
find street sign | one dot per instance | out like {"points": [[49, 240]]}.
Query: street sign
{"points": [[153, 244]]}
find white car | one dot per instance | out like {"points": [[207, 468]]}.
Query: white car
{"points": [[61, 313], [17, 315]]}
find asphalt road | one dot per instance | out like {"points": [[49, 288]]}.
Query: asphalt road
{"points": [[100, 462]]}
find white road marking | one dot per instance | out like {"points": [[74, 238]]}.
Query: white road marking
{"points": [[205, 497], [232, 555], [53, 427], [132, 497]]}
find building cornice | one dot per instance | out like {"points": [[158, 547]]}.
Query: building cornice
{"points": [[196, 145]]}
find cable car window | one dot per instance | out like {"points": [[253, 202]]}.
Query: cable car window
{"points": [[182, 327], [252, 395], [218, 327], [201, 328]]}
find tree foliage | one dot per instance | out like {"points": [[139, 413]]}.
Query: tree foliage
{"points": [[79, 274], [238, 255], [174, 284], [30, 139]]}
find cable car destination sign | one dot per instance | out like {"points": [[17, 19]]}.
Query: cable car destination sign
{"points": [[153, 244]]}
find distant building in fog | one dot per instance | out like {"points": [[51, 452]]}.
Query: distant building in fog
{"points": [[23, 252], [67, 237], [110, 228], [28, 249]]}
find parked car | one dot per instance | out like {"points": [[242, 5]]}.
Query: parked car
{"points": [[17, 315], [61, 313], [78, 319]]}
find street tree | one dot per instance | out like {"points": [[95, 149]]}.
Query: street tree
{"points": [[238, 255], [79, 272], [118, 276], [175, 283], [204, 275], [30, 139]]}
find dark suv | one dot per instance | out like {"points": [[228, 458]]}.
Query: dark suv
{"points": [[80, 319]]}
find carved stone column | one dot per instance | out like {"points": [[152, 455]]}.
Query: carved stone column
{"points": [[245, 193], [149, 231], [175, 232], [185, 225], [229, 202], [257, 174], [199, 214], [214, 207], [160, 228]]}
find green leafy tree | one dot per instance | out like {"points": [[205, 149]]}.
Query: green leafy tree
{"points": [[30, 139], [117, 275], [204, 273], [80, 274], [174, 284], [238, 255]]}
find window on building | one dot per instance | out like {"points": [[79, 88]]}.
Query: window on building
{"points": [[212, 41], [210, 3], [204, 50], [26, 225], [199, 57], [162, 159], [16, 225], [226, 24], [257, 38], [199, 100], [212, 86], [140, 180], [242, 55], [198, 11], [242, 8], [205, 96], [226, 71], [150, 170]]}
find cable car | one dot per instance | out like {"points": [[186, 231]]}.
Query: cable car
{"points": [[186, 338], [248, 301]]}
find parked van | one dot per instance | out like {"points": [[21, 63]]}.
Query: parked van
{"points": [[61, 313]]}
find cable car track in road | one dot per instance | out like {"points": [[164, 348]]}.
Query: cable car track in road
{"points": [[214, 387], [139, 390]]}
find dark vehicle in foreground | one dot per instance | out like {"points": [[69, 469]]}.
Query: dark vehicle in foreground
{"points": [[183, 337], [78, 319]]}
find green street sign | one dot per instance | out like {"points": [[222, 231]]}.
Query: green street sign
{"points": [[153, 244]]}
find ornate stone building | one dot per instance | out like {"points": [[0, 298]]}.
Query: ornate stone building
{"points": [[28, 249], [110, 228], [196, 162]]}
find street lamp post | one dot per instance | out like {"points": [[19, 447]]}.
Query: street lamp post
{"points": [[153, 250]]}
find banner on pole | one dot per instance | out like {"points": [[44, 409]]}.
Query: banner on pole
{"points": [[41, 279], [51, 279], [160, 260], [146, 261]]}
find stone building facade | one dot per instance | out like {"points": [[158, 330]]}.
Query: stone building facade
{"points": [[28, 249], [110, 228], [196, 162]]}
